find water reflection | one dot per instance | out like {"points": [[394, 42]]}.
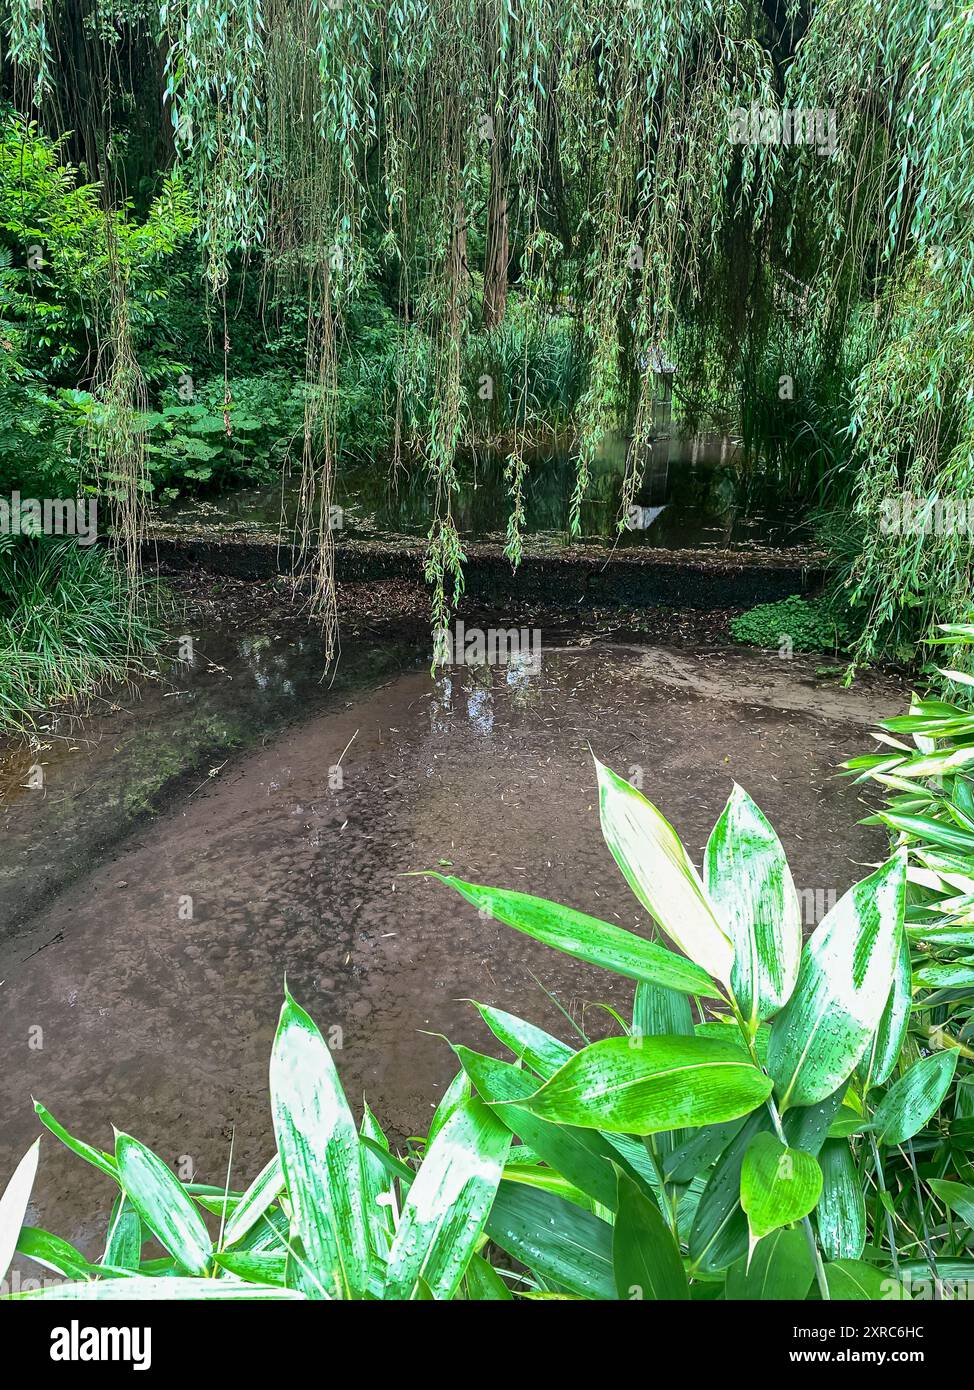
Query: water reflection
{"points": [[695, 492]]}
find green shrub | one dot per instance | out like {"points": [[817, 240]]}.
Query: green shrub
{"points": [[189, 449], [792, 624]]}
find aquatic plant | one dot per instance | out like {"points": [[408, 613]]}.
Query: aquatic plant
{"points": [[753, 1128]]}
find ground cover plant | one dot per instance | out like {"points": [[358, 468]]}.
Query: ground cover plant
{"points": [[792, 624], [773, 1121]]}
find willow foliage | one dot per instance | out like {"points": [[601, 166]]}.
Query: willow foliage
{"points": [[896, 277], [596, 143]]}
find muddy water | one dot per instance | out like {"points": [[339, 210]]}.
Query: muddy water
{"points": [[121, 1008], [79, 784]]}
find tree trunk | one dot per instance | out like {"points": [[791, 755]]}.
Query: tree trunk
{"points": [[498, 252]]}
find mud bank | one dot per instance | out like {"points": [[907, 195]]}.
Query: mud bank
{"points": [[162, 1024], [587, 575]]}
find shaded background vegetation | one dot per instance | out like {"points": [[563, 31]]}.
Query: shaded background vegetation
{"points": [[284, 234]]}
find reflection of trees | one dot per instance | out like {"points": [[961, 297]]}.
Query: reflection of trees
{"points": [[701, 482]]}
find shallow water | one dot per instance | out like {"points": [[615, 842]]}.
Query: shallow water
{"points": [[696, 492], [121, 1007]]}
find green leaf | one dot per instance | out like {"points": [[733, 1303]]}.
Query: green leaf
{"points": [[560, 1242], [779, 1185], [53, 1252], [645, 1258], [582, 1157], [945, 975], [750, 885], [780, 1268], [536, 1048], [703, 1148], [448, 1203], [659, 872], [719, 1232], [643, 1085], [887, 1043], [319, 1148], [378, 1186], [576, 934], [956, 1195], [854, 1280], [930, 831], [262, 1193], [841, 1211], [13, 1204], [102, 1161], [808, 1126], [915, 1098], [254, 1266], [160, 1289], [844, 981], [123, 1245], [657, 1011], [484, 1284], [163, 1204], [455, 1094]]}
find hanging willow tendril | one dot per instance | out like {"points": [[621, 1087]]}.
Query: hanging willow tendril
{"points": [[583, 151]]}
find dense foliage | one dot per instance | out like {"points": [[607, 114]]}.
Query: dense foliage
{"points": [[925, 770], [576, 178]]}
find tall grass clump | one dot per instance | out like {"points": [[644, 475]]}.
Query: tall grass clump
{"points": [[67, 623]]}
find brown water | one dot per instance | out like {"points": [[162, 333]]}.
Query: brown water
{"points": [[118, 1008]]}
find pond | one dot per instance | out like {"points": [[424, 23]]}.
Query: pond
{"points": [[142, 986], [697, 492]]}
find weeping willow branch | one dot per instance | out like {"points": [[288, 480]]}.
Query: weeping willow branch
{"points": [[578, 159]]}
